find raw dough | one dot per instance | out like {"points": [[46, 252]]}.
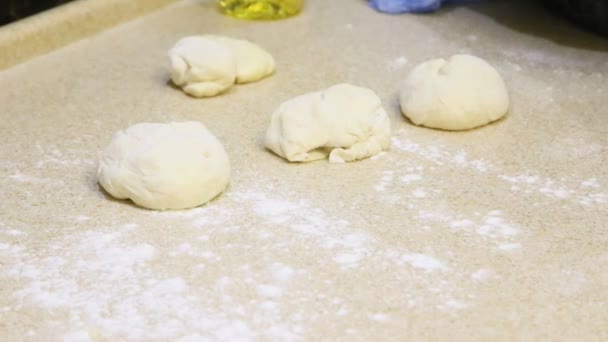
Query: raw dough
{"points": [[208, 65], [202, 67], [176, 165], [461, 93], [252, 62], [344, 121]]}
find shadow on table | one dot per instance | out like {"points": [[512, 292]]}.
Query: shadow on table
{"points": [[532, 18]]}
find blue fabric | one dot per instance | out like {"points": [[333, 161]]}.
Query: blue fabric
{"points": [[410, 6]]}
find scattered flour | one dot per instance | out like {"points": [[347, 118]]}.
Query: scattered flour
{"points": [[269, 291], [385, 180], [425, 262], [482, 275], [509, 246], [514, 66], [573, 148], [495, 226], [438, 154], [77, 336], [398, 63], [590, 183], [347, 259], [538, 57], [331, 234], [419, 193], [452, 304], [12, 232], [20, 177], [409, 178], [281, 273], [492, 227], [108, 288], [586, 193], [379, 317]]}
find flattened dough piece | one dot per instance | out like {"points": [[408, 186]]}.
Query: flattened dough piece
{"points": [[345, 122], [208, 65], [461, 93], [176, 165]]}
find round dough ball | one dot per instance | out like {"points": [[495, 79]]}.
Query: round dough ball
{"points": [[202, 66], [345, 122], [177, 165], [461, 93], [208, 65]]}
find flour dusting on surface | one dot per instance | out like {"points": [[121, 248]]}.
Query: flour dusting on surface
{"points": [[425, 262], [482, 275], [587, 192], [398, 63], [491, 227], [108, 287], [438, 154], [112, 284]]}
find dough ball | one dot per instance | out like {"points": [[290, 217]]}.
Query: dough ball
{"points": [[345, 122], [202, 67], [177, 165], [461, 93], [208, 65], [252, 62]]}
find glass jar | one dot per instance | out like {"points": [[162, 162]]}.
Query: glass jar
{"points": [[261, 9]]}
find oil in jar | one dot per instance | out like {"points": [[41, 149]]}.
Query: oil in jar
{"points": [[261, 9]]}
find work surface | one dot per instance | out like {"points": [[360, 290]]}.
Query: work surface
{"points": [[496, 233]]}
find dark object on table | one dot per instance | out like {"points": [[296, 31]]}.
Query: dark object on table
{"points": [[592, 14], [12, 10]]}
